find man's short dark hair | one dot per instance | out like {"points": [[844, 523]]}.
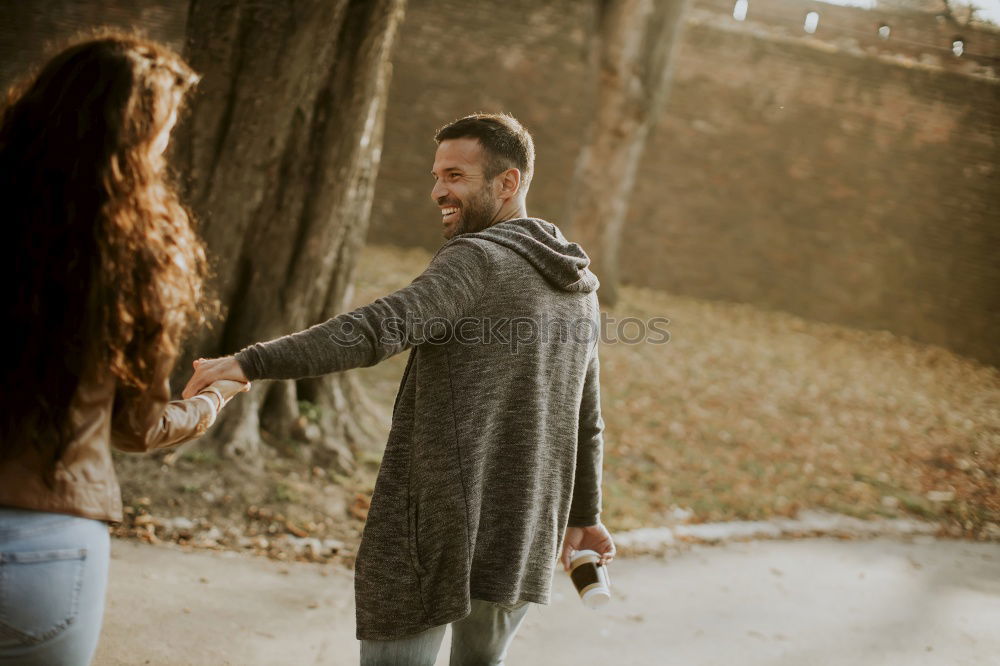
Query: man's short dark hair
{"points": [[506, 143]]}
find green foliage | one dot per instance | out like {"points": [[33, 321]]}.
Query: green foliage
{"points": [[310, 410], [282, 492]]}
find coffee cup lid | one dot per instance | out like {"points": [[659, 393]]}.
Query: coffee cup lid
{"points": [[584, 553]]}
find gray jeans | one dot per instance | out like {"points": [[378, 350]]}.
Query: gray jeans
{"points": [[482, 637], [53, 577]]}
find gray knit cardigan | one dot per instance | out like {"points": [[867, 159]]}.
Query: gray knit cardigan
{"points": [[496, 442]]}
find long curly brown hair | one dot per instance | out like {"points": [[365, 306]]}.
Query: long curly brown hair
{"points": [[105, 266]]}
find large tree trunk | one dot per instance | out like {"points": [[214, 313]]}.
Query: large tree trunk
{"points": [[636, 40], [280, 153]]}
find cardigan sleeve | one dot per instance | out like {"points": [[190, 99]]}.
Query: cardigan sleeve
{"points": [[585, 509], [446, 291]]}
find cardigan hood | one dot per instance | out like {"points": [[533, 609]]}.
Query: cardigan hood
{"points": [[562, 263]]}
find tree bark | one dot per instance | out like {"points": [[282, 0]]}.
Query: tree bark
{"points": [[280, 154], [634, 48]]}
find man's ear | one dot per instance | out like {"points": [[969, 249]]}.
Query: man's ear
{"points": [[510, 183]]}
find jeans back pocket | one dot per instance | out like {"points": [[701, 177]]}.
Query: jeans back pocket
{"points": [[39, 593]]}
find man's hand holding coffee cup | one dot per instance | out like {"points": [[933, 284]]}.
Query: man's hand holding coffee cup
{"points": [[595, 538]]}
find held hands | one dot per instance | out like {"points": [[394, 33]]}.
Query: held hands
{"points": [[208, 372], [219, 393], [595, 538], [226, 389]]}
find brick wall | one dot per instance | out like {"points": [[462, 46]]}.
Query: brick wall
{"points": [[925, 36], [841, 188], [31, 28]]}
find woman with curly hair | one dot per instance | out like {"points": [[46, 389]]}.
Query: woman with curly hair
{"points": [[107, 276]]}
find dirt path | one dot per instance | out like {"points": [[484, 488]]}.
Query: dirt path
{"points": [[776, 603]]}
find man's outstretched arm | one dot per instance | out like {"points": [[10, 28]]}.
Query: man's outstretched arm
{"points": [[447, 290]]}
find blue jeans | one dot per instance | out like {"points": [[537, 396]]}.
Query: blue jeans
{"points": [[53, 577], [482, 637]]}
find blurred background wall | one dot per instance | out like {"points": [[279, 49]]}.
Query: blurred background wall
{"points": [[839, 175]]}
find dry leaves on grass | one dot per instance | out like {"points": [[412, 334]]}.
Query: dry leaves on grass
{"points": [[747, 414]]}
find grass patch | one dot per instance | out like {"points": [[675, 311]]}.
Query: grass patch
{"points": [[284, 493], [201, 456]]}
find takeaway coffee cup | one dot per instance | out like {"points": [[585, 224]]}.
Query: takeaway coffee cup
{"points": [[590, 579]]}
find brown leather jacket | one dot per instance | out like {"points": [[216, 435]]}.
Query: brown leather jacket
{"points": [[83, 482]]}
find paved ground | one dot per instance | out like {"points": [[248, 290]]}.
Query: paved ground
{"points": [[774, 603]]}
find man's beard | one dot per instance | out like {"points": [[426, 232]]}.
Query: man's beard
{"points": [[477, 213]]}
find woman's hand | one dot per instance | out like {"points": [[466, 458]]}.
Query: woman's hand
{"points": [[595, 538], [209, 371], [228, 389]]}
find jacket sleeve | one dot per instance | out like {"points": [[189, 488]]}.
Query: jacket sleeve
{"points": [[147, 420], [447, 289], [585, 509]]}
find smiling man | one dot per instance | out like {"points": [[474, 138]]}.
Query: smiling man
{"points": [[482, 170], [492, 471]]}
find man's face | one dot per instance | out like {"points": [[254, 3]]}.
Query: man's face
{"points": [[461, 191]]}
